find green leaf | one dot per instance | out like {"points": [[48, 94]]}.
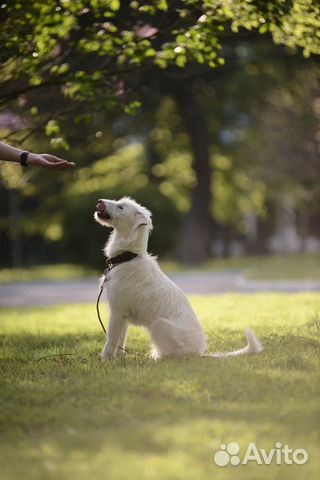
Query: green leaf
{"points": [[181, 60], [132, 107], [114, 5], [52, 128], [162, 5], [35, 80]]}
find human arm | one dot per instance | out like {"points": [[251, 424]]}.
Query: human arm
{"points": [[12, 154]]}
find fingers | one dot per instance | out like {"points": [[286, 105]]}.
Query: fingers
{"points": [[61, 165], [55, 163]]}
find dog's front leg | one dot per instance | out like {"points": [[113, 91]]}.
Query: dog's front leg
{"points": [[115, 329], [121, 349]]}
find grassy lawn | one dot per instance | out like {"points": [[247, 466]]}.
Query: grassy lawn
{"points": [[45, 272], [272, 267], [277, 267], [73, 416]]}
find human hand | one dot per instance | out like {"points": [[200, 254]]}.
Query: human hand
{"points": [[48, 161]]}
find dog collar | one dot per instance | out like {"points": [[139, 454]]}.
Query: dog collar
{"points": [[121, 258]]}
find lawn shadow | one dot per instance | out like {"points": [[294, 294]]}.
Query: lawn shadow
{"points": [[129, 401]]}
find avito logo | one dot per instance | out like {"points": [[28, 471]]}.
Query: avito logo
{"points": [[281, 454]]}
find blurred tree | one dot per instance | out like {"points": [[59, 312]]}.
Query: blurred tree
{"points": [[93, 56], [196, 238], [88, 51], [284, 148]]}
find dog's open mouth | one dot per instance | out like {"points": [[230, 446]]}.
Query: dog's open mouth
{"points": [[104, 215]]}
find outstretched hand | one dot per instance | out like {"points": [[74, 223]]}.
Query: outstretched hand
{"points": [[49, 161]]}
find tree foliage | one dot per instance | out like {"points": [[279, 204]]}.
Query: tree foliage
{"points": [[87, 50]]}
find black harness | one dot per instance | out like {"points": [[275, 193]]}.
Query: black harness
{"points": [[111, 263]]}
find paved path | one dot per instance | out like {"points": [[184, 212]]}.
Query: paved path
{"points": [[85, 290]]}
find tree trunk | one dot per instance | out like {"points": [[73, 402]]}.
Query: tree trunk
{"points": [[195, 245], [14, 227], [153, 158]]}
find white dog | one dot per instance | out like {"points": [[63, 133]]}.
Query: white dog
{"points": [[140, 293]]}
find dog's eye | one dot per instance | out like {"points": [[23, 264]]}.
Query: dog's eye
{"points": [[121, 207]]}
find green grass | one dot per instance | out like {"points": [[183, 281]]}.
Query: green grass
{"points": [[277, 267], [272, 267], [73, 416], [63, 271]]}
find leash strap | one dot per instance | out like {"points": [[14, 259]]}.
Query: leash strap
{"points": [[97, 306], [111, 263]]}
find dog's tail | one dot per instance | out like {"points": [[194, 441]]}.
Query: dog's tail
{"points": [[253, 347]]}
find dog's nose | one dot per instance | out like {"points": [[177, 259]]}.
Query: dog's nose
{"points": [[100, 207]]}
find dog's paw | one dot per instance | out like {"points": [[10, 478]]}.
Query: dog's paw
{"points": [[106, 356]]}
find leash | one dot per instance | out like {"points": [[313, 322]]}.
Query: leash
{"points": [[111, 263], [97, 304]]}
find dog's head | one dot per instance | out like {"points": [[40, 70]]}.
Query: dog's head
{"points": [[124, 215]]}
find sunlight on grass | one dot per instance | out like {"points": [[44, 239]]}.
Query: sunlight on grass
{"points": [[45, 272], [68, 416]]}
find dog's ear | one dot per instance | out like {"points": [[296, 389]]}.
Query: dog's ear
{"points": [[143, 217]]}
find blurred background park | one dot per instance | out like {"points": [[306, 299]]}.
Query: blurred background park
{"points": [[207, 112], [224, 150]]}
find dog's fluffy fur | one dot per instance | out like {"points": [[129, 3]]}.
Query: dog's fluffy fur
{"points": [[140, 293]]}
